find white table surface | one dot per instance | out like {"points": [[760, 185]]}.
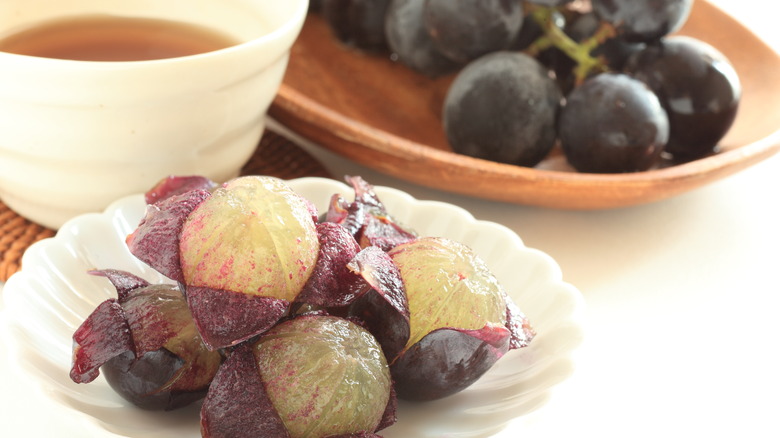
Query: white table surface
{"points": [[683, 306]]}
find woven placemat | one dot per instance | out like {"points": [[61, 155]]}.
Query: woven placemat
{"points": [[275, 156]]}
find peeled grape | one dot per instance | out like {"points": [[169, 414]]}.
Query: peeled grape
{"points": [[463, 30], [503, 107], [331, 363], [243, 253], [146, 344], [698, 87], [290, 369], [613, 123], [440, 316], [458, 319], [317, 375], [409, 40], [254, 235], [643, 20], [447, 286]]}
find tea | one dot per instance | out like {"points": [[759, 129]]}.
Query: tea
{"points": [[114, 38]]}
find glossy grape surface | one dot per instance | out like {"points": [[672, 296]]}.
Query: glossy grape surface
{"points": [[447, 286], [463, 30], [510, 114], [613, 123], [410, 42], [503, 107], [140, 380], [457, 323], [254, 235], [326, 376], [697, 86]]}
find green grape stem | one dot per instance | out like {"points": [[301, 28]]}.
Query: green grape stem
{"points": [[580, 52]]}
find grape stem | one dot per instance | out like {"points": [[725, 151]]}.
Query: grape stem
{"points": [[580, 52]]}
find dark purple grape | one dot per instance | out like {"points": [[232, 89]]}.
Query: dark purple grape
{"points": [[613, 123], [138, 380], [502, 107], [697, 86], [359, 23], [439, 314], [410, 42], [146, 344], [643, 20], [310, 376], [238, 251], [463, 30], [459, 320]]}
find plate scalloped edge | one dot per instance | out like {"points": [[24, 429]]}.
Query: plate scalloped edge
{"points": [[52, 294]]}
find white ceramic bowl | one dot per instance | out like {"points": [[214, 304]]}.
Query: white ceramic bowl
{"points": [[52, 295], [76, 135]]}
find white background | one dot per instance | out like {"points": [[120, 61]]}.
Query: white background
{"points": [[683, 301]]}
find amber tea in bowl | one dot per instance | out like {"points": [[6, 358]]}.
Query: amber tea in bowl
{"points": [[113, 38], [101, 99]]}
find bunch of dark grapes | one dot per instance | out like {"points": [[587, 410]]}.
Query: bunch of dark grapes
{"points": [[606, 79]]}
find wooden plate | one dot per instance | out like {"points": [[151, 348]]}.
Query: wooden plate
{"points": [[382, 115]]}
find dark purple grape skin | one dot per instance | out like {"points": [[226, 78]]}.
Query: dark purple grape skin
{"points": [[464, 30], [503, 107], [697, 86], [358, 23], [248, 412], [613, 123], [385, 308], [145, 344], [643, 20], [445, 362], [332, 284], [139, 381], [410, 42]]}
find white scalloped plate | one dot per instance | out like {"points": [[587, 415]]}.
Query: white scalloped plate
{"points": [[50, 297]]}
